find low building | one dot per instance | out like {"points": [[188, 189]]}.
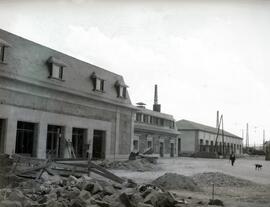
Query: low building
{"points": [[49, 100], [199, 139], [267, 150], [156, 130]]}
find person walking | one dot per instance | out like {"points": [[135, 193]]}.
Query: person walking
{"points": [[232, 158]]}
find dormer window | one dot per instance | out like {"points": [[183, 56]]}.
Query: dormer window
{"points": [[3, 46], [2, 54], [121, 89], [98, 83], [56, 68]]}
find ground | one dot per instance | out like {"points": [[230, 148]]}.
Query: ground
{"points": [[257, 194]]}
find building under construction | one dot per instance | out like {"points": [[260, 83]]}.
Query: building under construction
{"points": [[50, 100]]}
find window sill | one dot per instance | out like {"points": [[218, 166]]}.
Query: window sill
{"points": [[99, 91], [54, 78], [3, 62], [122, 97]]}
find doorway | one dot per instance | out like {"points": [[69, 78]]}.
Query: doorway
{"points": [[54, 135], [172, 150], [2, 135], [179, 147], [161, 149], [99, 143], [78, 137], [25, 138]]}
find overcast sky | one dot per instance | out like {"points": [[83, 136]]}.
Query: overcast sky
{"points": [[204, 55]]}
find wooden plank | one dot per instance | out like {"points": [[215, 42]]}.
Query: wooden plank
{"points": [[96, 169], [34, 168]]}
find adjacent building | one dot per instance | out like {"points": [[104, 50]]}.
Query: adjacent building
{"points": [[155, 130], [201, 139], [49, 100]]}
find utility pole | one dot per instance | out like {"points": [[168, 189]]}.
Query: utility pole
{"points": [[247, 137], [263, 139], [220, 124]]}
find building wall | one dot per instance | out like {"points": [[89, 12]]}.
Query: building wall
{"points": [[188, 139], [156, 140], [206, 136]]}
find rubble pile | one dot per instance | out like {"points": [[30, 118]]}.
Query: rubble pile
{"points": [[5, 167], [134, 165], [85, 191], [220, 180], [173, 181]]}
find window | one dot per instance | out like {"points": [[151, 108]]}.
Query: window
{"points": [[3, 46], [135, 145], [98, 83], [57, 72], [149, 144], [56, 68], [145, 118], [138, 117], [2, 54], [121, 89]]}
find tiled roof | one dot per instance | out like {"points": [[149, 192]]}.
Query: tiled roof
{"points": [[190, 125]]}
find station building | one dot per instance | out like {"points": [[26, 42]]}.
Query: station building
{"points": [[198, 139], [49, 100]]}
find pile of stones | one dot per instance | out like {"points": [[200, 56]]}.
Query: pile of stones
{"points": [[56, 191]]}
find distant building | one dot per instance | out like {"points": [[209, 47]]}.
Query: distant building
{"points": [[267, 150], [200, 139], [47, 97], [156, 130]]}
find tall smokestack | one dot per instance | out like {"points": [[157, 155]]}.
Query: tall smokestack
{"points": [[217, 122], [156, 106], [247, 137], [156, 95]]}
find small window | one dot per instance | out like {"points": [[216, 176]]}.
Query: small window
{"points": [[56, 68], [57, 71], [98, 83], [2, 53], [3, 46], [121, 89]]}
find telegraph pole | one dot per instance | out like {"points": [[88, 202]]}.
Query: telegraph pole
{"points": [[247, 137]]}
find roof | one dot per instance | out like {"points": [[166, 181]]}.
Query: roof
{"points": [[190, 125], [155, 113], [28, 60], [5, 43]]}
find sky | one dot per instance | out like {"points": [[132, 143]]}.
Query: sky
{"points": [[204, 55]]}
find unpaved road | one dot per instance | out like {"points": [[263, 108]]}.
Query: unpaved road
{"points": [[244, 168], [255, 196]]}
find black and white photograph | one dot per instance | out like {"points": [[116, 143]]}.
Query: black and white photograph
{"points": [[124, 103]]}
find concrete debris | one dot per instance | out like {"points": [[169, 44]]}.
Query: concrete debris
{"points": [[84, 191], [173, 181], [134, 165]]}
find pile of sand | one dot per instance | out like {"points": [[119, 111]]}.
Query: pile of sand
{"points": [[173, 181], [133, 165], [220, 179]]}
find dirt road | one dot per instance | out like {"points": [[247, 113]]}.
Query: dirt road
{"points": [[236, 196]]}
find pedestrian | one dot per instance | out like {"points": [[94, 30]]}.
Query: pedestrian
{"points": [[232, 158]]}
